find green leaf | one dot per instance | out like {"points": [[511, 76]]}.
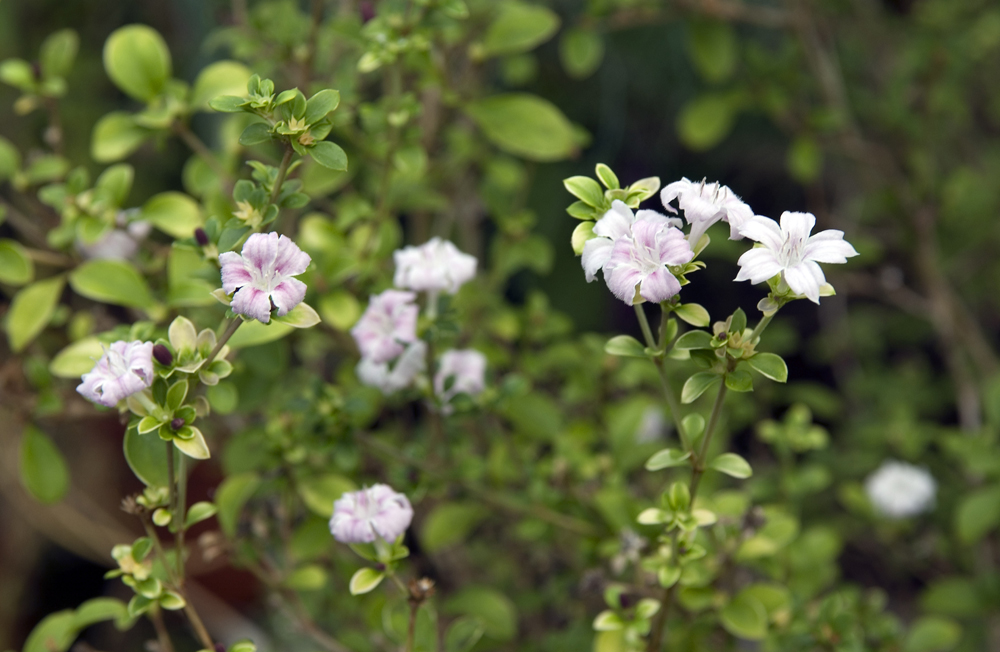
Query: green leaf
{"points": [[227, 104], [98, 610], [147, 457], [745, 617], [739, 381], [713, 49], [625, 345], [199, 512], [232, 495], [246, 645], [694, 425], [770, 365], [115, 136], [43, 469], [705, 121], [219, 78], [340, 309], [698, 384], [58, 52], [76, 359], [607, 176], [933, 634], [320, 492], [55, 633], [732, 465], [583, 232], [174, 213], [667, 458], [497, 612], [115, 183], [738, 321], [111, 281], [581, 50], [17, 73], [137, 60], [329, 155], [301, 316], [607, 621], [519, 27], [463, 633], [307, 578], [525, 125], [253, 333], [254, 134], [321, 104], [693, 314], [694, 340], [16, 267], [953, 596], [10, 159], [449, 524], [31, 309], [804, 160], [195, 447], [585, 189], [365, 580], [978, 513]]}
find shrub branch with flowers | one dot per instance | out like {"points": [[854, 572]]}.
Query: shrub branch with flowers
{"points": [[327, 328]]}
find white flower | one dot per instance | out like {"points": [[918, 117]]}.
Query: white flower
{"points": [[704, 204], [378, 511], [652, 426], [614, 224], [388, 324], [398, 375], [467, 367], [124, 369], [792, 252], [262, 275], [898, 490], [435, 266]]}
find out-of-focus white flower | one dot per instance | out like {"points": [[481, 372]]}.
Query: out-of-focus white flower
{"points": [[704, 204], [262, 276], [898, 490], [466, 367], [788, 249], [124, 369], [120, 243], [377, 511], [631, 545], [395, 376], [388, 324], [652, 426], [435, 266]]}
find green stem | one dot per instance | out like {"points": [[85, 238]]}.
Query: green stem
{"points": [[647, 332], [162, 635], [201, 149], [222, 341], [761, 326], [658, 362], [698, 462], [179, 515], [286, 160]]}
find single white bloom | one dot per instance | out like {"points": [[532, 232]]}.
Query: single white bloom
{"points": [[395, 376], [468, 369], [124, 369], [388, 324], [616, 223], [898, 490], [378, 511], [704, 204], [790, 250], [435, 266], [261, 276], [652, 426]]}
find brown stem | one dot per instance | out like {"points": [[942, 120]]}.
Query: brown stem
{"points": [[49, 258], [199, 627], [698, 467], [233, 325], [162, 635], [203, 152], [411, 630]]}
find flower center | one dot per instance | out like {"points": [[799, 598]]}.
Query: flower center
{"points": [[117, 364]]}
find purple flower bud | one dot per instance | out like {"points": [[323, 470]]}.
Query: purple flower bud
{"points": [[375, 512], [367, 10], [163, 355], [177, 424], [201, 237]]}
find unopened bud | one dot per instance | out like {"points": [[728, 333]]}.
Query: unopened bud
{"points": [[163, 355], [201, 237], [177, 423], [367, 10]]}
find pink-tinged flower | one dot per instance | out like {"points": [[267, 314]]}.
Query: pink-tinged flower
{"points": [[395, 376], [262, 276], [704, 204], [435, 266], [642, 261], [614, 224], [789, 250], [387, 325], [466, 368], [124, 369], [377, 511]]}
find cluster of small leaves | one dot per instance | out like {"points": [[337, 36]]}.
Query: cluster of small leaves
{"points": [[46, 79], [594, 201]]}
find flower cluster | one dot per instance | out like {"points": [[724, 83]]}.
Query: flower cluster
{"points": [[261, 276], [642, 254], [376, 511], [393, 357]]}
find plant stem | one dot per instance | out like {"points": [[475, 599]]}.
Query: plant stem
{"points": [[765, 320], [286, 160], [162, 635], [196, 145], [658, 362], [179, 515], [233, 325], [49, 258], [647, 332], [698, 461], [199, 627], [412, 629]]}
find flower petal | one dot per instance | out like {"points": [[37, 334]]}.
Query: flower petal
{"points": [[288, 294], [829, 247], [758, 265], [802, 280], [765, 231], [796, 227], [659, 286], [596, 253], [616, 223], [253, 303], [290, 260], [260, 250], [234, 274], [623, 280], [674, 248]]}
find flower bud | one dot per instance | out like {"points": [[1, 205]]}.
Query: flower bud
{"points": [[163, 355], [177, 424], [367, 11], [201, 237]]}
